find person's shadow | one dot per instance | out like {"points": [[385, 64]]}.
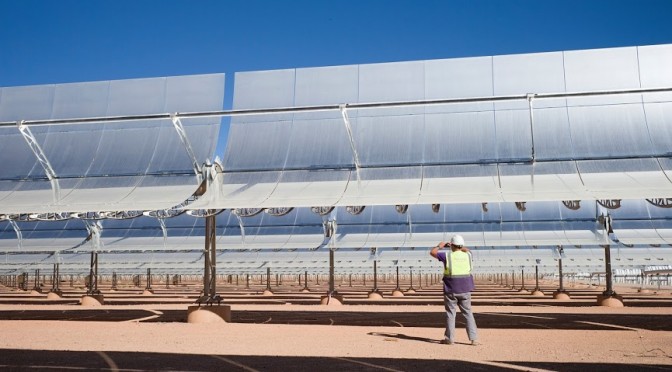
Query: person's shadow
{"points": [[405, 337]]}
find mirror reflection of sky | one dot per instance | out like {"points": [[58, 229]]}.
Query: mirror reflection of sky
{"points": [[70, 41]]}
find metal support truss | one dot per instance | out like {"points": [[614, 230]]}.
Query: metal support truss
{"points": [[122, 215], [398, 288], [37, 284], [331, 272], [561, 287], [41, 158], [210, 295], [179, 209], [93, 276], [148, 286], [305, 281], [609, 291], [606, 222], [375, 275], [95, 229], [177, 123], [56, 280]]}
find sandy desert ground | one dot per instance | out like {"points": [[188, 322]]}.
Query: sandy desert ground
{"points": [[139, 333]]}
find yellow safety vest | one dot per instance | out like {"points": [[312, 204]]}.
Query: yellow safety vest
{"points": [[458, 264]]}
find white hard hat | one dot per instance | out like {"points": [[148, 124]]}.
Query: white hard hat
{"points": [[457, 240]]}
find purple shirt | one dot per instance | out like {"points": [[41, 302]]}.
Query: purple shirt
{"points": [[455, 285]]}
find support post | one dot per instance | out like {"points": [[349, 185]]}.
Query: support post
{"points": [[375, 294], [37, 287], [148, 286], [522, 278], [608, 274], [411, 289], [268, 291], [537, 291], [23, 282], [331, 271], [93, 296], [210, 314], [305, 282], [93, 275], [375, 275], [210, 273], [397, 291], [561, 293], [332, 297], [609, 297], [561, 285], [55, 283]]}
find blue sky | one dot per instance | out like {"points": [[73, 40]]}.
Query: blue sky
{"points": [[43, 42]]}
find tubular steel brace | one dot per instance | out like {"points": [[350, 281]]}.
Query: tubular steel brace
{"points": [[177, 123], [41, 157]]}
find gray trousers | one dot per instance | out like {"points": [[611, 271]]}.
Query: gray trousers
{"points": [[463, 300]]}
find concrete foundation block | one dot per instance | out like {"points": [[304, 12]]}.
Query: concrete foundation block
{"points": [[92, 300], [397, 293], [333, 300], [209, 314], [610, 301], [561, 296], [54, 296], [375, 295]]}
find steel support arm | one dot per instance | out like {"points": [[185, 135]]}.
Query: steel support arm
{"points": [[41, 158]]}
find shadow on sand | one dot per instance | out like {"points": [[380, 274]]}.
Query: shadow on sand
{"points": [[40, 360]]}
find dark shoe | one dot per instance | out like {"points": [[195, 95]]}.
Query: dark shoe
{"points": [[446, 342], [475, 343]]}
